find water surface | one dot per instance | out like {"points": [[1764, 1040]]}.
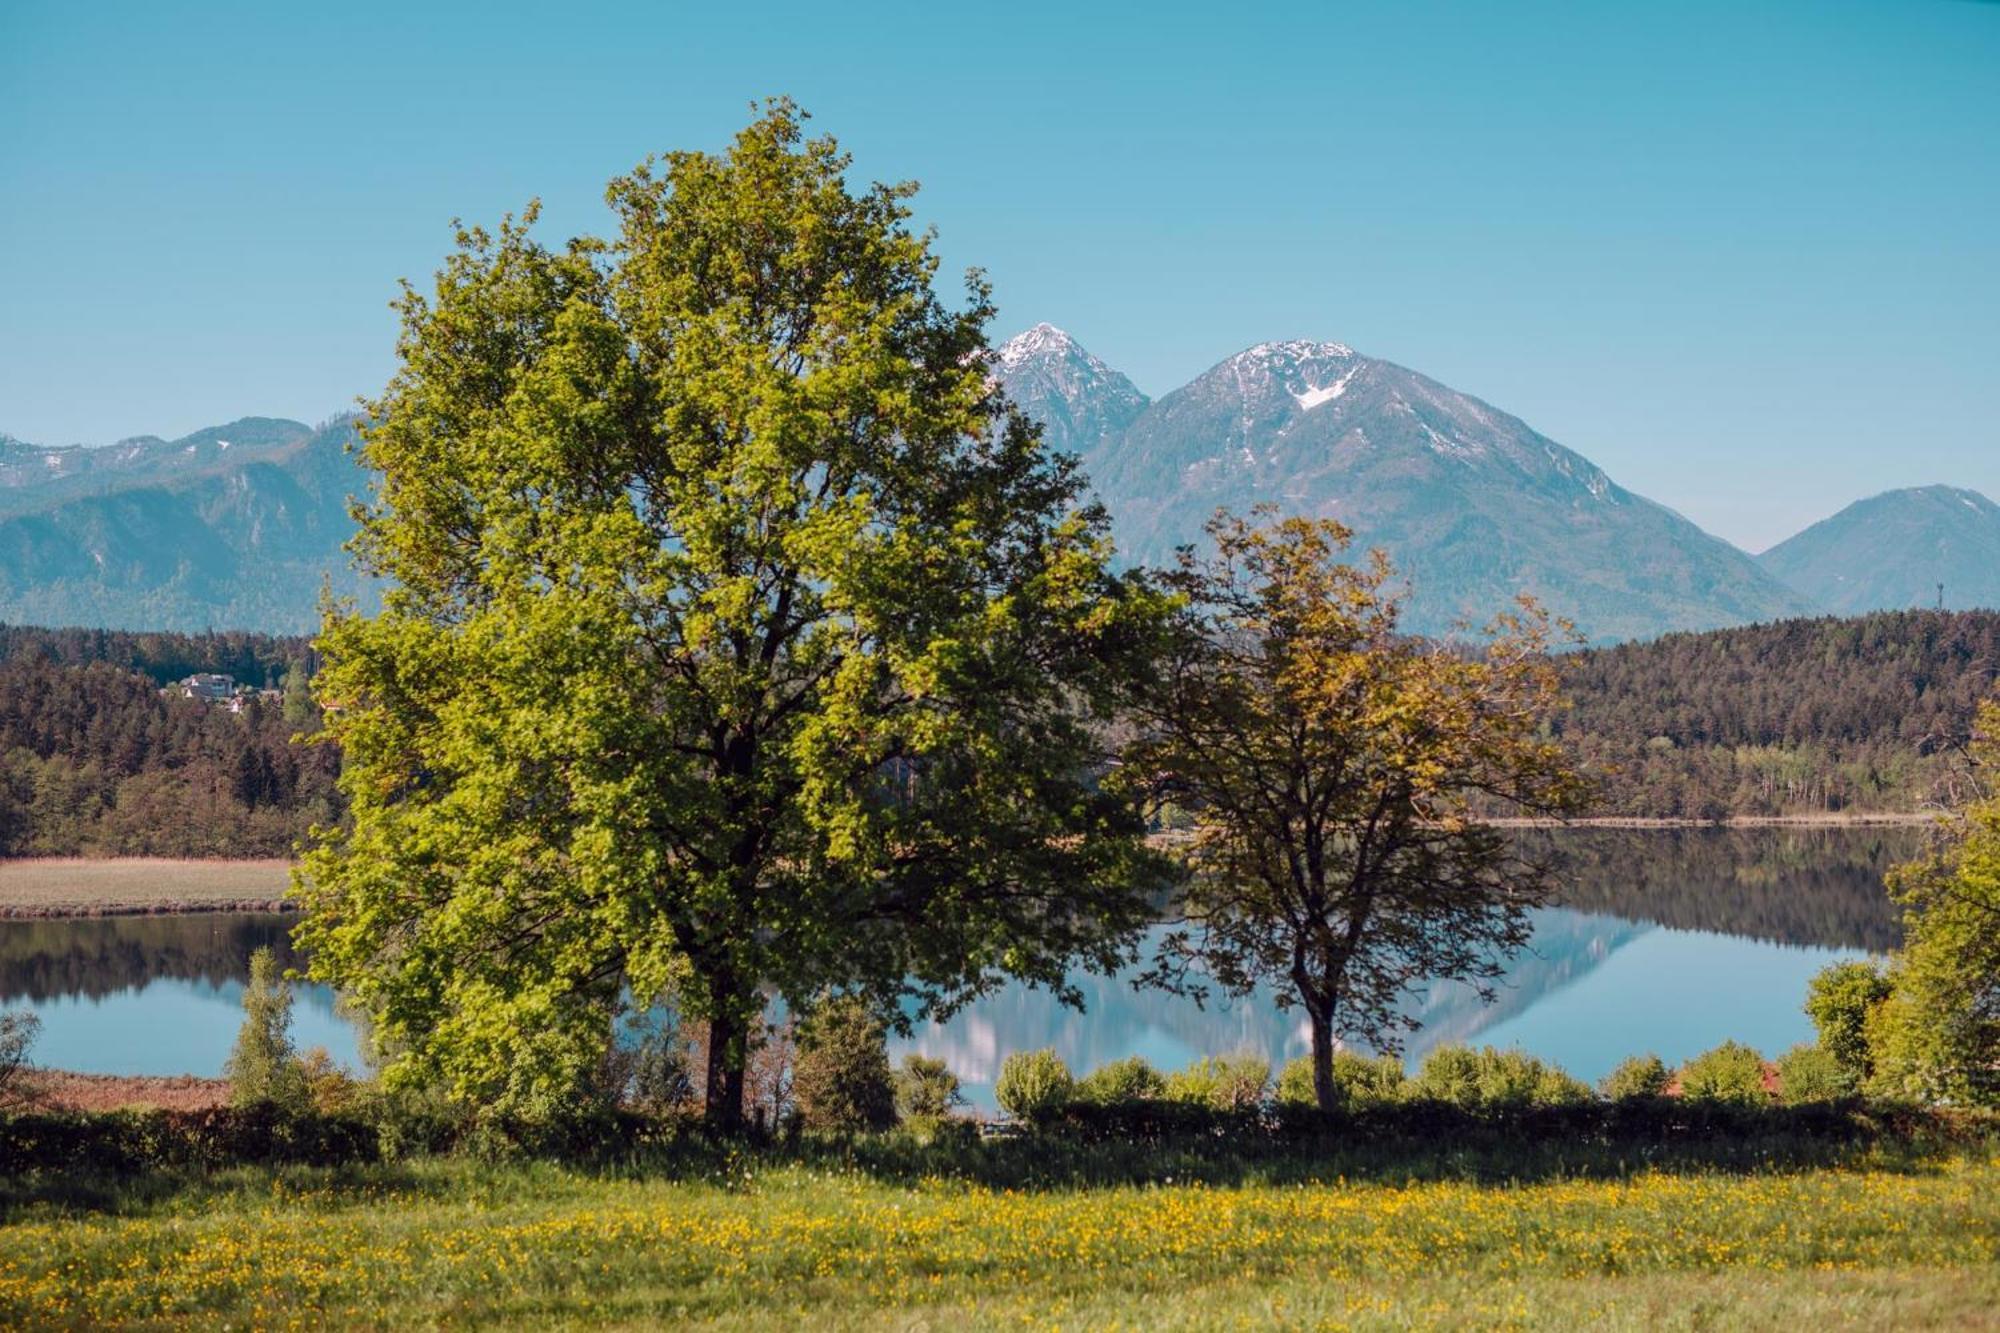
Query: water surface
{"points": [[1667, 941]]}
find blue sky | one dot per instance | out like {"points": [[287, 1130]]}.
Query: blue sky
{"points": [[1744, 255]]}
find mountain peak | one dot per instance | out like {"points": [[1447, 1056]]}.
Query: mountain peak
{"points": [[1042, 341], [1293, 351], [1892, 550]]}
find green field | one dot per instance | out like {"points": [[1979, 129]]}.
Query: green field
{"points": [[758, 1243]]}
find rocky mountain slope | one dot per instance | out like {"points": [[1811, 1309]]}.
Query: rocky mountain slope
{"points": [[1473, 504]]}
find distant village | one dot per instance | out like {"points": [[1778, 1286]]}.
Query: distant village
{"points": [[212, 687]]}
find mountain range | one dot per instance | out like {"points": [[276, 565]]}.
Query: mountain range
{"points": [[236, 526], [241, 525], [1929, 545], [1474, 505]]}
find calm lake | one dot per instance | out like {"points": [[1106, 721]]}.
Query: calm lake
{"points": [[1667, 941]]}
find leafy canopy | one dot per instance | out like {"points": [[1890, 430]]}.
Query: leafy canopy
{"points": [[1333, 765], [741, 637]]}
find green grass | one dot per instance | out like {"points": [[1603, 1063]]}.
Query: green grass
{"points": [[764, 1239]]}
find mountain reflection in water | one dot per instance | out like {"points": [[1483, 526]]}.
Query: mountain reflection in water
{"points": [[1666, 939]]}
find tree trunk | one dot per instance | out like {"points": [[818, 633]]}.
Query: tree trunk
{"points": [[728, 1051], [1325, 1094]]}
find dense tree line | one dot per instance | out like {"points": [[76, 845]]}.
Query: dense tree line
{"points": [[95, 759], [253, 659], [1824, 715]]}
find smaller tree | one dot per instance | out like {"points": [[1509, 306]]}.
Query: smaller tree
{"points": [[1839, 1000], [841, 1080], [263, 1067], [926, 1088], [1936, 1036], [1336, 769], [1731, 1074], [1636, 1078], [18, 1030], [1034, 1085]]}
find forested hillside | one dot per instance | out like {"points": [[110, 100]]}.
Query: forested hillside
{"points": [[1799, 717], [96, 760]]}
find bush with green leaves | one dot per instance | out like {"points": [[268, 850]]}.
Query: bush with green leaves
{"points": [[1121, 1083], [841, 1078], [1637, 1078], [1839, 1000], [1358, 1081], [263, 1067], [926, 1089], [1732, 1074], [1809, 1074], [1494, 1080], [1033, 1085], [1222, 1082]]}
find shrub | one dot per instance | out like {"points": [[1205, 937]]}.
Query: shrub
{"points": [[18, 1030], [1839, 1000], [1448, 1074], [1808, 1073], [926, 1088], [330, 1090], [1732, 1074], [1122, 1082], [1358, 1081], [1222, 1083], [841, 1078], [1636, 1078], [1033, 1085], [263, 1068], [1492, 1080], [1558, 1087]]}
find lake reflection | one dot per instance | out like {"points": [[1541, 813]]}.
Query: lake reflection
{"points": [[1668, 941]]}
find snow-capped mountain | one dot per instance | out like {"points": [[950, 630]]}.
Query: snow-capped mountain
{"points": [[1081, 403], [1473, 504], [1892, 551]]}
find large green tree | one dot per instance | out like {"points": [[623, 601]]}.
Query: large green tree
{"points": [[740, 638], [1333, 766], [1935, 1035]]}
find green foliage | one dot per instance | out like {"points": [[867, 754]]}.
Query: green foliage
{"points": [[1222, 1082], [1494, 1080], [96, 760], [263, 1067], [1809, 1073], [1839, 1001], [1121, 1082], [739, 637], [1732, 1074], [1033, 1085], [1936, 1037], [926, 1088], [1330, 761], [1636, 1078], [1793, 717], [1361, 1082], [841, 1079]]}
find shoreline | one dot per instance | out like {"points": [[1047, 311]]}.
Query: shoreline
{"points": [[53, 888], [72, 887]]}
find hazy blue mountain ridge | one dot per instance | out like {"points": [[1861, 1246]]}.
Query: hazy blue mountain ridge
{"points": [[1891, 551]]}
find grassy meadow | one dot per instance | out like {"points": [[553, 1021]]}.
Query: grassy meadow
{"points": [[767, 1239], [59, 886]]}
